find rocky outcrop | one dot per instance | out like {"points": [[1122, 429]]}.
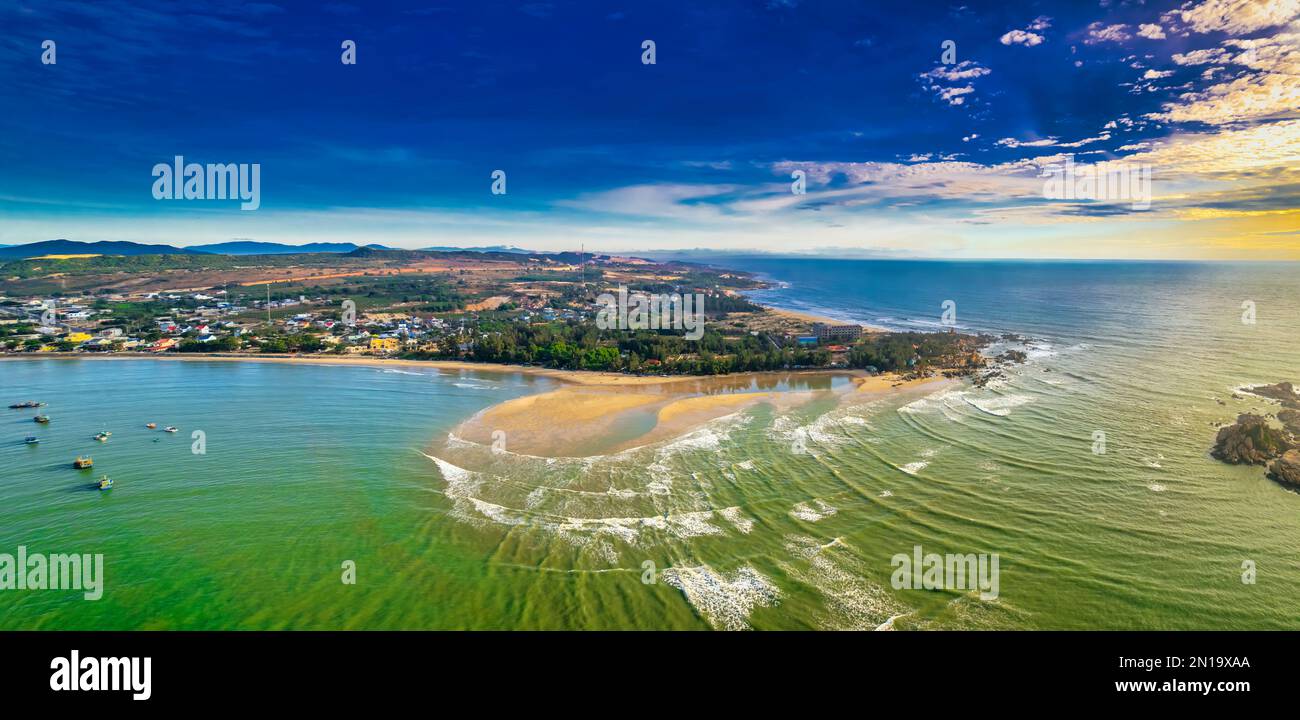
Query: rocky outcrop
{"points": [[1286, 469], [1291, 420], [1249, 441], [1283, 392], [1012, 356]]}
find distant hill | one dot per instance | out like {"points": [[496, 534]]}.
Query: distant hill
{"points": [[487, 249], [251, 247], [75, 247], [380, 251]]}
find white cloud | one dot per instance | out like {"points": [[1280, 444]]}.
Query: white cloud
{"points": [[1151, 31], [1236, 17], [1014, 143], [1270, 89], [964, 70], [1030, 36], [1098, 33], [1021, 37], [1156, 74], [953, 95]]}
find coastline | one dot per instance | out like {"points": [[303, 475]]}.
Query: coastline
{"points": [[577, 377], [582, 416], [799, 316], [574, 377]]}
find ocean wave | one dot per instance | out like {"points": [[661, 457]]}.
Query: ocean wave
{"points": [[464, 487], [999, 406], [914, 467], [852, 602], [725, 601], [807, 511]]}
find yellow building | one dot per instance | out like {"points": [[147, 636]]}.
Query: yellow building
{"points": [[383, 344], [78, 337]]}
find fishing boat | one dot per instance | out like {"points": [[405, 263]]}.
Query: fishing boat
{"points": [[151, 426], [170, 428], [81, 463], [102, 437], [26, 404], [42, 419], [32, 440], [105, 483]]}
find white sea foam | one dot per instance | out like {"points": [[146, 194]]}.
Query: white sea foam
{"points": [[725, 601], [1156, 487], [812, 511], [931, 403], [914, 467], [1037, 350], [852, 601], [734, 516], [999, 406]]}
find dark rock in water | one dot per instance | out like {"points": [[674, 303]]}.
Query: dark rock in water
{"points": [[1283, 392], [1250, 441], [1286, 469], [1015, 356], [1291, 419]]}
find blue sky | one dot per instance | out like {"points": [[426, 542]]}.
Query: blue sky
{"points": [[905, 155]]}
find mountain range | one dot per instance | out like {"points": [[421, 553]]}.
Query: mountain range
{"points": [[234, 247]]}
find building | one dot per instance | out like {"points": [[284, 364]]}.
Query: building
{"points": [[826, 332], [386, 345], [78, 337]]}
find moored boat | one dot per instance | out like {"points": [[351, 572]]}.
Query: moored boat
{"points": [[31, 440], [105, 483], [102, 437], [42, 419], [151, 426], [26, 404], [170, 428], [83, 462]]}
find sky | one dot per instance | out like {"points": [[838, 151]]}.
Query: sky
{"points": [[921, 129]]}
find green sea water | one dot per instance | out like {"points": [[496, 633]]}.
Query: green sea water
{"points": [[764, 519]]}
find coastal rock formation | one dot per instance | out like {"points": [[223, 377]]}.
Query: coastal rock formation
{"points": [[1283, 392], [1250, 441], [1291, 420], [1012, 356], [1286, 469]]}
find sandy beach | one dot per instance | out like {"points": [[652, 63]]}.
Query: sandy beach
{"points": [[578, 421], [811, 318]]}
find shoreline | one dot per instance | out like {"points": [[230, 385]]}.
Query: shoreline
{"points": [[801, 316], [580, 417], [574, 377]]}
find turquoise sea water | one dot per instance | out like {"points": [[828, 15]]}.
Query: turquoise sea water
{"points": [[766, 519]]}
